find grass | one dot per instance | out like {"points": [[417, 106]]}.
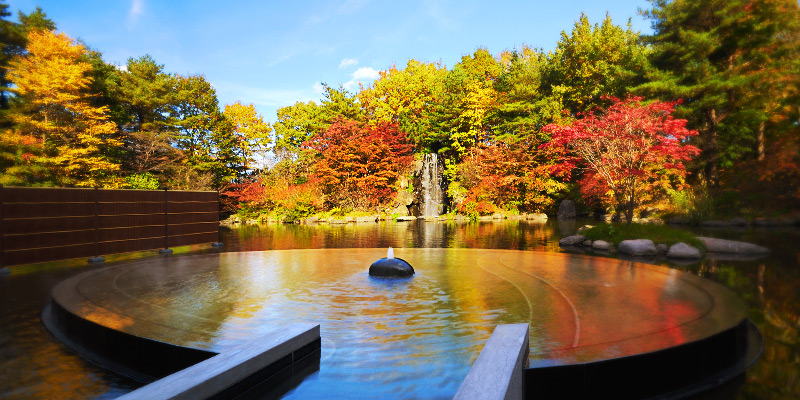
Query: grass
{"points": [[616, 233]]}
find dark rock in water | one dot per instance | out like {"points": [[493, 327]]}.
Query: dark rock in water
{"points": [[574, 240], [391, 267], [566, 210]]}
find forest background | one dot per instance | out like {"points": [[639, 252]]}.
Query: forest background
{"points": [[721, 77]]}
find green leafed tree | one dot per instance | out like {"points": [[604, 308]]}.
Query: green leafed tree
{"points": [[733, 62], [469, 102], [302, 121], [523, 106], [13, 38], [407, 97], [594, 61], [200, 129], [298, 123], [141, 98]]}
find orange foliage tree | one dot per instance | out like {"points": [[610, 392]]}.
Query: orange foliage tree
{"points": [[357, 166], [75, 136], [516, 176]]}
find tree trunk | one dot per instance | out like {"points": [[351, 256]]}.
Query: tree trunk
{"points": [[711, 150], [629, 207], [760, 141]]}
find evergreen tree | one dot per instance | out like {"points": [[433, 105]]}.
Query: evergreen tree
{"points": [[593, 62], [10, 44], [141, 107], [724, 59]]}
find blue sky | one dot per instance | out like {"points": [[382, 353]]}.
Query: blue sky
{"points": [[274, 53]]}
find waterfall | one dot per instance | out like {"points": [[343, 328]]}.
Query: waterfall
{"points": [[431, 186]]}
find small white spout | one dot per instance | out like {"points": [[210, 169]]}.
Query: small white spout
{"points": [[390, 253]]}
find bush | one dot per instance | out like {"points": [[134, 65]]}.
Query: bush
{"points": [[143, 181]]}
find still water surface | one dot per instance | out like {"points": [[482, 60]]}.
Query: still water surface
{"points": [[33, 365]]}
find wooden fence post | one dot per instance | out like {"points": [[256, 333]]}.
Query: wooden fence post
{"points": [[96, 259], [218, 243], [166, 249], [2, 249]]}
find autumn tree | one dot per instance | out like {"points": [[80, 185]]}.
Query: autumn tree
{"points": [[516, 176], [630, 148], [408, 98], [13, 38], [471, 100], [249, 138], [357, 166], [55, 109]]}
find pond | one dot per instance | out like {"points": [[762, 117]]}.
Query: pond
{"points": [[34, 365]]}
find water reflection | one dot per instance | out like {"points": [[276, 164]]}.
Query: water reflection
{"points": [[401, 338], [510, 234], [33, 365], [769, 286]]}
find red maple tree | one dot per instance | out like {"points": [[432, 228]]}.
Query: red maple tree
{"points": [[356, 165], [631, 148]]}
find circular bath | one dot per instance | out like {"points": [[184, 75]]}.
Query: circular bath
{"points": [[415, 338]]}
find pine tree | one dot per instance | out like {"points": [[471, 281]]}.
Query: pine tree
{"points": [[725, 59]]}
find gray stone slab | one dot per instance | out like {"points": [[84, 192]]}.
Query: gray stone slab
{"points": [[714, 245], [212, 376], [498, 371]]}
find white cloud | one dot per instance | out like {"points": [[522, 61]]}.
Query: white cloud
{"points": [[318, 88], [348, 62], [361, 75], [366, 73], [137, 9]]}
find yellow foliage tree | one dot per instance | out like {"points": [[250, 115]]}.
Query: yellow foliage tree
{"points": [[52, 83], [249, 139]]}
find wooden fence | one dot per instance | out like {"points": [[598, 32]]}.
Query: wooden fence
{"points": [[46, 224]]}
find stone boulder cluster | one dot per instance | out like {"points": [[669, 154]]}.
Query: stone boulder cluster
{"points": [[740, 222], [647, 248]]}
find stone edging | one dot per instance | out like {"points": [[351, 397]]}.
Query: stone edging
{"points": [[646, 247]]}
